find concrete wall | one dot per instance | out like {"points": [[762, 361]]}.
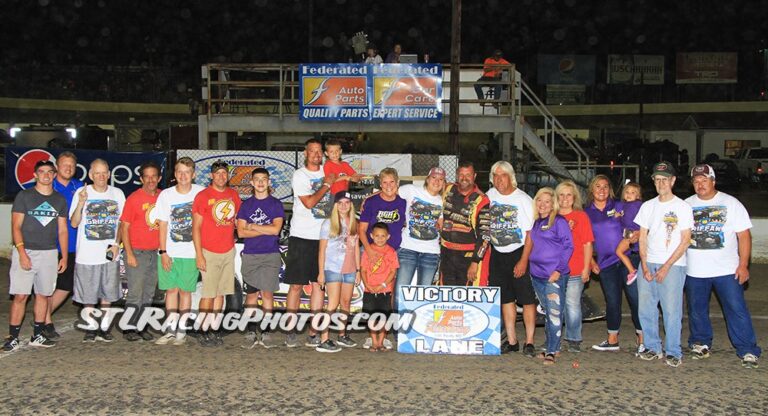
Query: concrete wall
{"points": [[759, 236]]}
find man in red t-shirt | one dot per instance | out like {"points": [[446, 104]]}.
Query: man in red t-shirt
{"points": [[141, 239], [492, 70], [213, 234]]}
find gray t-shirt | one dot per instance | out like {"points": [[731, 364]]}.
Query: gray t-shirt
{"points": [[41, 212]]}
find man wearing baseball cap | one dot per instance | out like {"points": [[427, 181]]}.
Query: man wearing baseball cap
{"points": [[665, 233], [213, 235], [717, 260]]}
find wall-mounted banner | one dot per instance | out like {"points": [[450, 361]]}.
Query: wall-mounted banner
{"points": [[334, 92], [566, 69], [123, 166], [407, 91], [636, 69], [707, 68], [462, 320], [402, 92]]}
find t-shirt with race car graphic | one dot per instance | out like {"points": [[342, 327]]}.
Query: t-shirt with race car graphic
{"points": [[306, 222], [421, 215], [511, 217], [40, 228], [376, 209], [175, 209], [141, 213], [218, 210], [100, 218], [714, 249], [664, 221]]}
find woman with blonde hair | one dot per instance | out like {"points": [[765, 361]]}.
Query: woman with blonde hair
{"points": [[569, 200], [550, 246], [339, 265]]}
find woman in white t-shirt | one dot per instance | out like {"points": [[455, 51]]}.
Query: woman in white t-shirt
{"points": [[420, 248]]}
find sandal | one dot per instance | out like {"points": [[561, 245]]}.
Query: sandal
{"points": [[549, 359]]}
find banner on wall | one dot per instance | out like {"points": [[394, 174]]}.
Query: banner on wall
{"points": [[566, 94], [406, 92], [566, 69], [636, 69], [355, 92], [707, 68], [462, 320], [123, 166], [281, 166]]}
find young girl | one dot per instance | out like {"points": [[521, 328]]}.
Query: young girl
{"points": [[631, 195], [339, 264]]}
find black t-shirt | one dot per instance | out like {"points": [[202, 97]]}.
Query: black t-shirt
{"points": [[40, 228]]}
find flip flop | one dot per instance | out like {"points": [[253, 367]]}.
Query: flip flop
{"points": [[549, 359]]}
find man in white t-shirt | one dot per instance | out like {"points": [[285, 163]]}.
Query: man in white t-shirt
{"points": [[177, 271], [665, 233], [511, 219], [717, 260], [311, 206], [95, 212]]}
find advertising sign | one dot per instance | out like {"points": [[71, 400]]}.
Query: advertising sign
{"points": [[402, 92], [707, 68], [123, 166], [334, 92], [461, 320], [636, 69], [566, 69], [566, 94], [407, 92]]}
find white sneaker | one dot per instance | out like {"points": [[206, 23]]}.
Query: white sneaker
{"points": [[180, 339], [368, 343], [749, 360], [387, 344], [165, 339]]}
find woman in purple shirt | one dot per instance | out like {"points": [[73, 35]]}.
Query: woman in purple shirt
{"points": [[605, 215], [548, 247]]}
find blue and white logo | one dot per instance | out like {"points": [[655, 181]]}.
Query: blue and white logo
{"points": [[44, 213]]}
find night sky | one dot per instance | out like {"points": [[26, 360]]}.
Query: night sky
{"points": [[185, 34]]}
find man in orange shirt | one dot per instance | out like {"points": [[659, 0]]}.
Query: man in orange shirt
{"points": [[141, 240], [213, 234], [491, 72]]}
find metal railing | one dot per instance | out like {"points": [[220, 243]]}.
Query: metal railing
{"points": [[553, 129], [273, 89]]}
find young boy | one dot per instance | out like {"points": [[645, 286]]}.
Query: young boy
{"points": [[259, 222], [334, 165], [378, 279]]}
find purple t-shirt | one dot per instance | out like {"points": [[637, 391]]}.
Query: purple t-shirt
{"points": [[552, 247], [628, 220], [375, 209], [608, 231], [261, 212]]}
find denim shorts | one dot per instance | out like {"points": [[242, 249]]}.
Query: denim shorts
{"points": [[333, 277]]}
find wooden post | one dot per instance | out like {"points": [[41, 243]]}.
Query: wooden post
{"points": [[453, 126]]}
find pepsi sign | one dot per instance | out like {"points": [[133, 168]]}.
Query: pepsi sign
{"points": [[124, 166]]}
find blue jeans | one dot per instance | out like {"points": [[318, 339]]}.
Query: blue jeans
{"points": [[335, 277], [411, 261], [613, 279], [668, 293], [738, 322], [553, 309], [573, 289]]}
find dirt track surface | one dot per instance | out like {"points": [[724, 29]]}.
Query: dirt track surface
{"points": [[143, 378]]}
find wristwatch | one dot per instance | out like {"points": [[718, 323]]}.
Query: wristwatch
{"points": [[161, 252]]}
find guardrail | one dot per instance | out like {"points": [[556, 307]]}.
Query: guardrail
{"points": [[273, 89]]}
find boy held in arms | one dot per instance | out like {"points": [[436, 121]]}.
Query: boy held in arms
{"points": [[334, 165], [378, 279]]}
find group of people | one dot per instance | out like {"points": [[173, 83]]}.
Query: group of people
{"points": [[544, 248]]}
